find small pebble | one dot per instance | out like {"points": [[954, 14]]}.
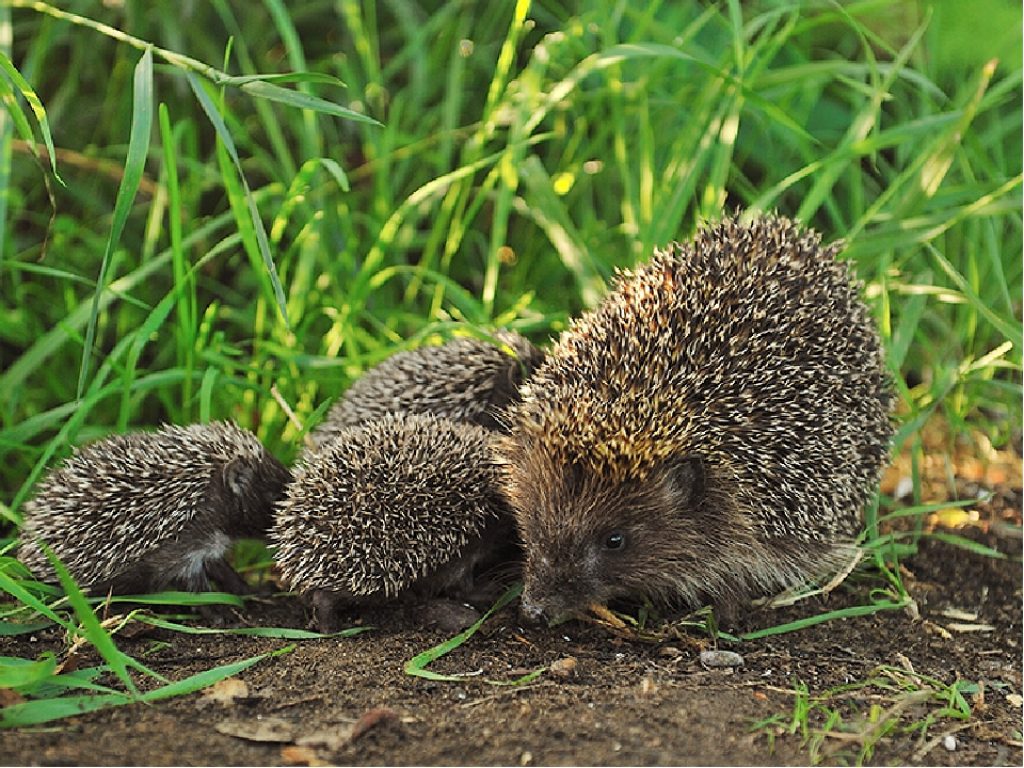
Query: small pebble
{"points": [[526, 758], [565, 668], [720, 659], [949, 742]]}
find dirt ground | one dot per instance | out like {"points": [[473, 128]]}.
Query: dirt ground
{"points": [[348, 700]]}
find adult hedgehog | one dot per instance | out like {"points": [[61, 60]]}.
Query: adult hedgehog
{"points": [[710, 432]]}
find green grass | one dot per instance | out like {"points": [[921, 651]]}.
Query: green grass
{"points": [[416, 168], [839, 726]]}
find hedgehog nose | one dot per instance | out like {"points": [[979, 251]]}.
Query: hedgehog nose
{"points": [[530, 611]]}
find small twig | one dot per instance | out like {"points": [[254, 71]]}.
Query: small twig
{"points": [[276, 394], [108, 168], [606, 616], [869, 734], [909, 667]]}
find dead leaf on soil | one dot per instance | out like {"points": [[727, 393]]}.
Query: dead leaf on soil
{"points": [[938, 629], [69, 664], [292, 755], [258, 729], [333, 738], [224, 692], [372, 718]]}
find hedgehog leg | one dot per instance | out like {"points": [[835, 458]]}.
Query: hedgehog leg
{"points": [[326, 604], [227, 578], [445, 613]]}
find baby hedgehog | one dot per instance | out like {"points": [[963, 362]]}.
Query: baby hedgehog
{"points": [[711, 431], [154, 510], [467, 380], [406, 503]]}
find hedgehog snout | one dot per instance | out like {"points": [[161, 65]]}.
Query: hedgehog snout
{"points": [[556, 589]]}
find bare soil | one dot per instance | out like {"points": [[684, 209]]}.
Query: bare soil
{"points": [[626, 701]]}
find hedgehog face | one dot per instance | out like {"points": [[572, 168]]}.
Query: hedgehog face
{"points": [[253, 488], [590, 540]]}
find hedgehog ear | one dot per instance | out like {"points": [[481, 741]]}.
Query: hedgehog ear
{"points": [[686, 476], [238, 476]]}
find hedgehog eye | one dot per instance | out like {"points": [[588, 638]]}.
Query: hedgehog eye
{"points": [[615, 541]]}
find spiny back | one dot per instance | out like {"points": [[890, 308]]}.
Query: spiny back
{"points": [[468, 380], [385, 504], [748, 347], [115, 500]]}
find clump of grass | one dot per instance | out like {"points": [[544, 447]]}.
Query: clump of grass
{"points": [[52, 688], [838, 725]]}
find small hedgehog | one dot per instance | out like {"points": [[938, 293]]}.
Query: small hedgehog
{"points": [[710, 432], [154, 510], [407, 503], [467, 380]]}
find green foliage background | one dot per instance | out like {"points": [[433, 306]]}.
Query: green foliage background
{"points": [[524, 151]]}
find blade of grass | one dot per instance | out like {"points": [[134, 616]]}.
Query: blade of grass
{"points": [[93, 630], [282, 633], [16, 672], [417, 666], [821, 618], [47, 710], [205, 679], [190, 65], [37, 109], [964, 543], [6, 133], [138, 144], [257, 222]]}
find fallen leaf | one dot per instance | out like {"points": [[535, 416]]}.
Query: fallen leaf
{"points": [[372, 718], [224, 692], [258, 729], [331, 738], [292, 755], [69, 664]]}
